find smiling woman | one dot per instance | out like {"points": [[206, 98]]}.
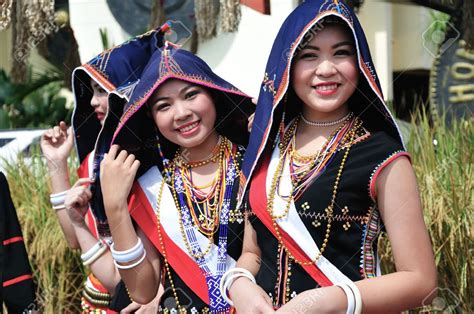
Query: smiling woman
{"points": [[185, 205], [327, 172], [185, 114]]}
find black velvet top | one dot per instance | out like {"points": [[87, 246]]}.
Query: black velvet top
{"points": [[356, 225]]}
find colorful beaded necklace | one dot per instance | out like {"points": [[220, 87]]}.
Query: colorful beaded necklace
{"points": [[349, 132], [227, 161]]}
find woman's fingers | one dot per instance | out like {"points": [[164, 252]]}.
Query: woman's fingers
{"points": [[129, 161], [122, 156], [83, 181], [56, 132], [112, 152], [135, 166], [63, 126]]}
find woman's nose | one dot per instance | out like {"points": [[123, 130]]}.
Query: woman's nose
{"points": [[181, 111], [325, 69]]}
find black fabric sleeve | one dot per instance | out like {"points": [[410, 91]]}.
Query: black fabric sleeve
{"points": [[18, 290]]}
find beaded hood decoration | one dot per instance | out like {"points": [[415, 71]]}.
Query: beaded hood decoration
{"points": [[114, 69], [136, 131], [117, 71], [367, 102]]}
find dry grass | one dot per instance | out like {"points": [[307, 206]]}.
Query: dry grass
{"points": [[442, 157], [445, 177]]}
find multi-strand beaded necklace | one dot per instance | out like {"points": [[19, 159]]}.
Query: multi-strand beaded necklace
{"points": [[304, 170], [216, 216], [205, 205]]}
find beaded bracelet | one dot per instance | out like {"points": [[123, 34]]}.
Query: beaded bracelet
{"points": [[58, 198], [131, 265], [128, 255]]}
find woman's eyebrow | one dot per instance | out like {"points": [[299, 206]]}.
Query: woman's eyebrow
{"points": [[342, 43], [186, 88], [182, 91]]}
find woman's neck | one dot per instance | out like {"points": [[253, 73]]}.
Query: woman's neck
{"points": [[201, 151], [324, 117]]}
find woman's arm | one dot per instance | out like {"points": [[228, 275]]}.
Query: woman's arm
{"points": [[77, 204], [56, 144], [414, 282], [118, 171], [247, 296]]}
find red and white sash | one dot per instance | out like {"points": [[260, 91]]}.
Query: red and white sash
{"points": [[295, 236], [143, 209], [85, 171]]}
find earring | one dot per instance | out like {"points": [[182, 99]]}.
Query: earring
{"points": [[165, 161]]}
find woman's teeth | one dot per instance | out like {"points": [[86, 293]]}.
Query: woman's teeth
{"points": [[189, 127], [326, 87]]}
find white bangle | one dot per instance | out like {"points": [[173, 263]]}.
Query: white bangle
{"points": [[131, 265], [58, 198], [229, 276], [92, 250], [357, 297], [59, 207], [128, 255], [230, 280], [350, 297], [234, 270], [96, 256]]}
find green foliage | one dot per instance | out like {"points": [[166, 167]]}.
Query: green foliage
{"points": [[57, 269], [104, 37], [34, 104]]}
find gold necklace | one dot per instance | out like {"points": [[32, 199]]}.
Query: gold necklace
{"points": [[213, 157], [181, 227], [163, 252], [329, 210]]}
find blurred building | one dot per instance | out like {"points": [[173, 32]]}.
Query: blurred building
{"points": [[394, 32]]}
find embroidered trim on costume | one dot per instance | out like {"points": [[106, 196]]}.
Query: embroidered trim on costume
{"points": [[379, 168], [322, 216], [368, 260], [269, 85]]}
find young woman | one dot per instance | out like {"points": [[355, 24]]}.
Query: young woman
{"points": [[189, 230], [327, 172], [115, 69]]}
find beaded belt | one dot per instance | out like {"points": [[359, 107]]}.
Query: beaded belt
{"points": [[204, 310], [96, 298]]}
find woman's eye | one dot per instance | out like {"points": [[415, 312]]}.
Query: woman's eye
{"points": [[308, 55], [162, 107], [343, 52], [191, 94]]}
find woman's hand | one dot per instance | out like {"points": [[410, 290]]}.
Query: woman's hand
{"points": [[117, 173], [249, 297], [56, 143], [77, 201]]}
